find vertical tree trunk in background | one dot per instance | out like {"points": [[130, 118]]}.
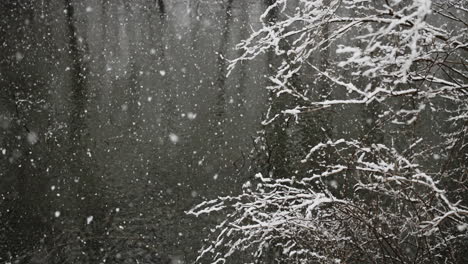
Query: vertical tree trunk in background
{"points": [[169, 108], [166, 95], [219, 109], [162, 9], [79, 92], [196, 23], [158, 33], [276, 139], [244, 33], [132, 90], [317, 126], [324, 54], [105, 80], [222, 60], [372, 130], [82, 165]]}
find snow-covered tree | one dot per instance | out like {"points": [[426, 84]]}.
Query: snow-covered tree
{"points": [[350, 195]]}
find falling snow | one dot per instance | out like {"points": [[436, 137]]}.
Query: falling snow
{"points": [[122, 122], [173, 138], [32, 138]]}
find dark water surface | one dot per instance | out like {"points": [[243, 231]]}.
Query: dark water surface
{"points": [[115, 118]]}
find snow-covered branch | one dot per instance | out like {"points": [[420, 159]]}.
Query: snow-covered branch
{"points": [[356, 197]]}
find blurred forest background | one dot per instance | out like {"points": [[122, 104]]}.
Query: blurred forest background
{"points": [[119, 116], [115, 118]]}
